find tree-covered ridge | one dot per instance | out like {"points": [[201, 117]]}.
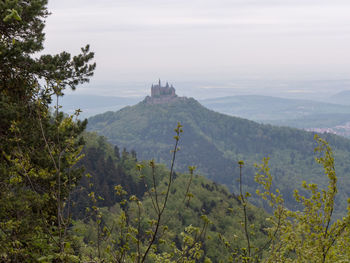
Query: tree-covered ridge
{"points": [[109, 167], [215, 141], [232, 231], [105, 167]]}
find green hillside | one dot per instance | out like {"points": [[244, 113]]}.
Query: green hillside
{"points": [[214, 142], [108, 167]]}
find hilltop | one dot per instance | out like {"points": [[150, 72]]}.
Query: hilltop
{"points": [[162, 94], [215, 142]]}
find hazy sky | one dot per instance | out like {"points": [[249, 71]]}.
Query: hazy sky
{"points": [[206, 40]]}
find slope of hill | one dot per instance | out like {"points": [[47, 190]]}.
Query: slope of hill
{"points": [[215, 142], [108, 167], [342, 97], [281, 111]]}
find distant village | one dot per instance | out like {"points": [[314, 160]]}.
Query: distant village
{"points": [[343, 130]]}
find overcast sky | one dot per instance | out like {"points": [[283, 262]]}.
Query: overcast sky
{"points": [[206, 40]]}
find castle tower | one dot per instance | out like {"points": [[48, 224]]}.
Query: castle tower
{"points": [[157, 91], [161, 94]]}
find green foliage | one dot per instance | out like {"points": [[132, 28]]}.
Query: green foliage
{"points": [[213, 142], [174, 217], [191, 197], [38, 148], [311, 234], [131, 242], [308, 235], [105, 168]]}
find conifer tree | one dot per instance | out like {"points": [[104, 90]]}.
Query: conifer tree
{"points": [[38, 148]]}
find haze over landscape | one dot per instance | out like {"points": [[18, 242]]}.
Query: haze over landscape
{"points": [[296, 49], [212, 49], [197, 131]]}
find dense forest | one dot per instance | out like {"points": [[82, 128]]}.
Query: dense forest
{"points": [[108, 167], [214, 142], [69, 196]]}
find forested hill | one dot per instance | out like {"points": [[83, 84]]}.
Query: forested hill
{"points": [[214, 142], [109, 167]]}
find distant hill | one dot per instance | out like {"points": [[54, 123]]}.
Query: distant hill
{"points": [[215, 142], [94, 104], [282, 111], [342, 97]]}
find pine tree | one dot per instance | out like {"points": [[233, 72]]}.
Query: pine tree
{"points": [[38, 148]]}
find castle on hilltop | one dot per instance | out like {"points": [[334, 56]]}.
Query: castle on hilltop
{"points": [[162, 94], [159, 91]]}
